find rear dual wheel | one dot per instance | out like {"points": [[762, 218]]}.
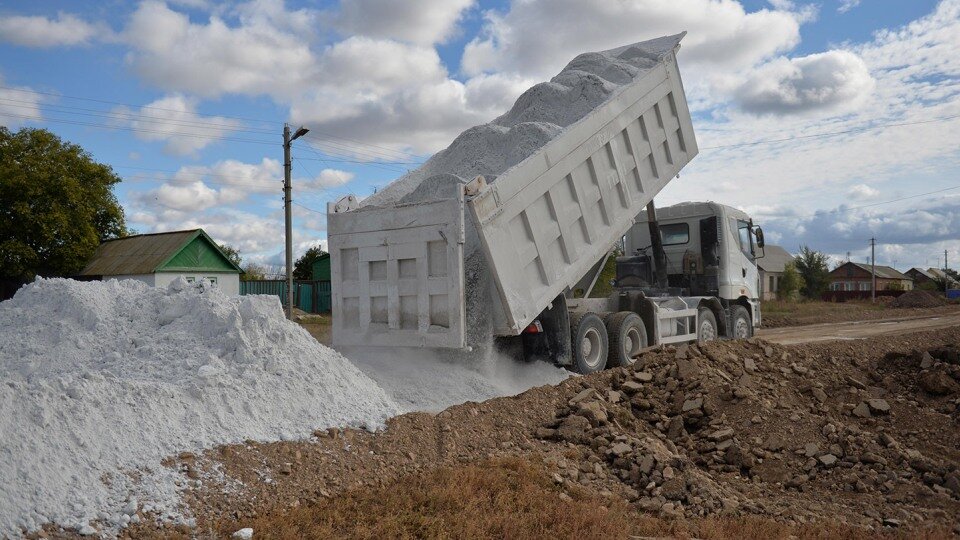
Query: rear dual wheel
{"points": [[588, 339], [627, 336]]}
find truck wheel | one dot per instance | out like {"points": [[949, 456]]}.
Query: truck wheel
{"points": [[706, 326], [742, 325], [588, 339], [626, 337]]}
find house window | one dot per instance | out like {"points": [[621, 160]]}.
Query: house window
{"points": [[191, 279], [773, 287], [212, 280], [864, 286]]}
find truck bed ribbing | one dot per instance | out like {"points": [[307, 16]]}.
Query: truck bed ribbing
{"points": [[542, 223]]}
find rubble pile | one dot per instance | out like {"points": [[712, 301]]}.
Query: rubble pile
{"points": [[918, 299], [751, 427]]}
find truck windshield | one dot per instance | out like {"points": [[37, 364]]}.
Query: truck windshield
{"points": [[746, 237]]}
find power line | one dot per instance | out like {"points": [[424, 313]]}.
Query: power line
{"points": [[849, 208], [108, 102], [831, 133], [134, 129], [167, 109]]}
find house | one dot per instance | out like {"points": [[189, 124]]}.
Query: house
{"points": [[851, 276], [771, 266], [921, 277], [158, 259]]}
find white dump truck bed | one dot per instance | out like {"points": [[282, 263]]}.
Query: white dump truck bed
{"points": [[542, 224]]}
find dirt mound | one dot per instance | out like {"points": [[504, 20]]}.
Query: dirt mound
{"points": [[918, 299], [862, 433]]}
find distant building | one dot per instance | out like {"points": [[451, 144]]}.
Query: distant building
{"points": [[158, 259], [321, 268], [851, 276], [931, 275], [771, 266]]}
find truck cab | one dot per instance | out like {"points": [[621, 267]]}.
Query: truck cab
{"points": [[710, 249]]}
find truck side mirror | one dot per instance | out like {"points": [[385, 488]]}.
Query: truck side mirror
{"points": [[759, 234]]}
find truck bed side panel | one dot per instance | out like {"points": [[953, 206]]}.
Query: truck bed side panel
{"points": [[545, 222], [397, 275]]}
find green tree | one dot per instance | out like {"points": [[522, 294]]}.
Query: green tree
{"points": [[253, 272], [812, 267], [232, 253], [790, 282], [56, 205], [303, 268]]}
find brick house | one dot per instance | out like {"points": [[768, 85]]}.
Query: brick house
{"points": [[771, 266], [851, 276]]}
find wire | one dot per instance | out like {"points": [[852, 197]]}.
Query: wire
{"points": [[308, 208], [850, 208], [94, 100], [831, 133], [131, 128]]}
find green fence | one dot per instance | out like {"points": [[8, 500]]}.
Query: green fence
{"points": [[310, 296]]}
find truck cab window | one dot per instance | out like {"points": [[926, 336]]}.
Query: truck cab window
{"points": [[746, 238], [675, 233]]}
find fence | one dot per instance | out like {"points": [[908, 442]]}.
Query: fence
{"points": [[310, 296]]}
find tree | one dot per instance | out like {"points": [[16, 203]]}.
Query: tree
{"points": [[790, 282], [56, 205], [303, 268], [232, 253], [253, 272], [812, 266]]}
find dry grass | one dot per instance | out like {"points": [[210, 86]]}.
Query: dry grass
{"points": [[509, 498], [497, 499], [319, 326]]}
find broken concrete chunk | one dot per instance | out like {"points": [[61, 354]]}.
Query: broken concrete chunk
{"points": [[692, 404], [878, 406], [828, 460], [584, 394], [862, 410]]}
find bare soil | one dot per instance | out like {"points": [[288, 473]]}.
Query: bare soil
{"points": [[734, 439], [780, 314]]}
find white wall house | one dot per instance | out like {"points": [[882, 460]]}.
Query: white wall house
{"points": [[158, 259]]}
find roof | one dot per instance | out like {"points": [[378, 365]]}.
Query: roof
{"points": [[694, 209], [774, 259], [883, 272], [149, 253], [927, 274]]}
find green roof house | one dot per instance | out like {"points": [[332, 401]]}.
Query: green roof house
{"points": [[158, 259]]}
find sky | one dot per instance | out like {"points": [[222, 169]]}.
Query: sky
{"points": [[830, 122]]}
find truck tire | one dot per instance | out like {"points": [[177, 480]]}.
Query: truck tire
{"points": [[626, 336], [588, 339], [706, 326], [742, 325]]}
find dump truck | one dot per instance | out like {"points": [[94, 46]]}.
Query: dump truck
{"points": [[545, 227]]}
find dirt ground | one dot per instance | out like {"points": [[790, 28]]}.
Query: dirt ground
{"points": [[779, 314], [848, 439]]}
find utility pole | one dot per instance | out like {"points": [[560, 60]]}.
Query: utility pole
{"points": [[873, 269], [287, 209], [945, 260]]}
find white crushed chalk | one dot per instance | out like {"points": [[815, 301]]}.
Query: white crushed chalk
{"points": [[100, 381]]}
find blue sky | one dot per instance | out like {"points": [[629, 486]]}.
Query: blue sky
{"points": [[186, 100]]}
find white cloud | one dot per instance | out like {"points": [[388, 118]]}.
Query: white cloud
{"points": [[200, 187], [417, 21], [815, 83], [847, 5], [174, 121], [38, 31], [863, 192], [19, 105], [266, 53], [533, 37], [330, 178]]}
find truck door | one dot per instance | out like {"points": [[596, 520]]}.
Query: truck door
{"points": [[744, 269]]}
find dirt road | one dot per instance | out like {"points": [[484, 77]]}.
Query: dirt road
{"points": [[857, 329]]}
